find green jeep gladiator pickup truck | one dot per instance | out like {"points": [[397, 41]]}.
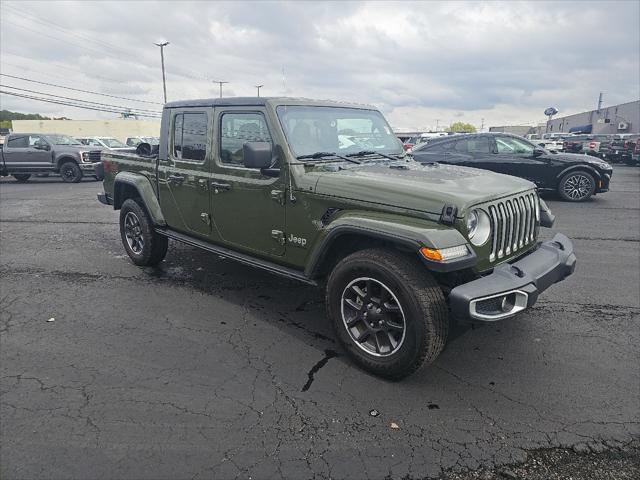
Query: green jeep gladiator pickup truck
{"points": [[322, 192]]}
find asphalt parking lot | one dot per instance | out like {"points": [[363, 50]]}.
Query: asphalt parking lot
{"points": [[203, 368]]}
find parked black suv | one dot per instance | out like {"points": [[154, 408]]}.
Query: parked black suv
{"points": [[574, 177]]}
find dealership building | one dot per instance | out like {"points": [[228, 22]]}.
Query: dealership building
{"points": [[623, 118]]}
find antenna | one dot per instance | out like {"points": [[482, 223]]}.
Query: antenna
{"points": [[284, 84]]}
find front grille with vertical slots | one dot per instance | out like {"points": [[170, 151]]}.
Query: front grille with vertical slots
{"points": [[514, 223]]}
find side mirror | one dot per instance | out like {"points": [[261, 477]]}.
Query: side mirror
{"points": [[537, 152], [257, 155], [41, 146]]}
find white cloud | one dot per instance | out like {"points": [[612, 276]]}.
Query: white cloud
{"points": [[418, 61]]}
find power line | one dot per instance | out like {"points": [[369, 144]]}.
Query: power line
{"points": [[63, 67], [133, 110], [77, 89], [48, 23], [69, 104], [96, 52]]}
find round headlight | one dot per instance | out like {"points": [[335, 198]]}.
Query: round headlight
{"points": [[472, 222], [478, 227]]}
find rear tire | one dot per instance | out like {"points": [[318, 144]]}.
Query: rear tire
{"points": [[395, 308], [143, 245], [21, 177], [70, 172], [577, 186]]}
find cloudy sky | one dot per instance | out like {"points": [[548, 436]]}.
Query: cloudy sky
{"points": [[422, 63]]}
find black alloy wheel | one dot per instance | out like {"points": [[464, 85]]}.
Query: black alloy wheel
{"points": [[373, 316], [133, 233], [70, 172], [388, 312], [22, 177], [142, 243]]}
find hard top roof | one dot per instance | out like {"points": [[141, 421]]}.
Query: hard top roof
{"points": [[261, 101]]}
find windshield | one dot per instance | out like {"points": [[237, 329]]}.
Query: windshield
{"points": [[336, 129], [113, 143], [63, 140]]}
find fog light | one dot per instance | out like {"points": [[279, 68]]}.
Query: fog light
{"points": [[508, 302]]}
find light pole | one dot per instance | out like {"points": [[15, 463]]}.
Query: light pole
{"points": [[219, 82], [164, 83], [258, 87]]}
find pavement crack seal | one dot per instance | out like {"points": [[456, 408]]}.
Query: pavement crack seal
{"points": [[328, 354], [62, 222]]}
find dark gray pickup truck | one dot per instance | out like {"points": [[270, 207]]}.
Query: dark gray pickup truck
{"points": [[25, 154]]}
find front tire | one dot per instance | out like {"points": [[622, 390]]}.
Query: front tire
{"points": [[143, 245], [387, 311], [21, 177], [577, 186], [70, 172]]}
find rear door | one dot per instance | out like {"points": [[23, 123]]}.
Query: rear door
{"points": [[248, 207], [183, 177]]}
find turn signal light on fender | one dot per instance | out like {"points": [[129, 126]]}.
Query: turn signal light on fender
{"points": [[444, 254], [431, 254]]}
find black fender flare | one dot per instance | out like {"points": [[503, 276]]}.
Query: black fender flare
{"points": [[63, 159], [581, 166], [436, 238], [146, 193]]}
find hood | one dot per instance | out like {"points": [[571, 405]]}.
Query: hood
{"points": [[413, 186], [74, 148]]}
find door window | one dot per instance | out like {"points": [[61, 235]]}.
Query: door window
{"points": [[36, 140], [236, 129], [190, 136], [513, 146], [473, 146], [18, 142]]}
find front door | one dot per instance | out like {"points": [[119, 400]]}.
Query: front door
{"points": [[248, 207], [183, 177], [516, 157]]}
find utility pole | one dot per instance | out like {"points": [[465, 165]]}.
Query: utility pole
{"points": [[437, 122], [600, 101], [482, 126], [220, 82], [164, 83], [258, 87]]}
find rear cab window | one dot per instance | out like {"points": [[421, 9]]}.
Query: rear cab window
{"points": [[189, 136]]}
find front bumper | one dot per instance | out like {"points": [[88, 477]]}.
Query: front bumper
{"points": [[105, 198], [512, 288], [603, 185], [89, 168]]}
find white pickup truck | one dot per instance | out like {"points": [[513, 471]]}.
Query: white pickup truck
{"points": [[552, 141]]}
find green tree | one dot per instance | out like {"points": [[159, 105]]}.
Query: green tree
{"points": [[461, 127], [6, 116]]}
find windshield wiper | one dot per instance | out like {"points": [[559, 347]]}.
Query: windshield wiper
{"points": [[363, 153], [321, 156]]}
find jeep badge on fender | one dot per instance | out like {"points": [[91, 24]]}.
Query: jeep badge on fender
{"points": [[401, 246], [300, 242]]}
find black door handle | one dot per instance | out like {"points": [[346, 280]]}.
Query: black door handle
{"points": [[175, 179], [220, 186]]}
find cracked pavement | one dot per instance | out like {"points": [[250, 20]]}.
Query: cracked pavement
{"points": [[204, 368]]}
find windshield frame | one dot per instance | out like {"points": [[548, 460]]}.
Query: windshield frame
{"points": [[395, 149], [106, 141], [52, 139]]}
